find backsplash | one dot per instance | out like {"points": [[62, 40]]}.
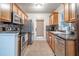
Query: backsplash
{"points": [[9, 27]]}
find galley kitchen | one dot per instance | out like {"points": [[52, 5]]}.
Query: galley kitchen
{"points": [[39, 29]]}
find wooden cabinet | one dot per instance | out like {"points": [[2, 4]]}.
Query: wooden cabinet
{"points": [[0, 12], [19, 12], [5, 12], [53, 19], [7, 8], [77, 10], [66, 12], [70, 48], [15, 9], [60, 46], [49, 39], [72, 12], [53, 43], [69, 12]]}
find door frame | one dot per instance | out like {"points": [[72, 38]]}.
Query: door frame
{"points": [[35, 36]]}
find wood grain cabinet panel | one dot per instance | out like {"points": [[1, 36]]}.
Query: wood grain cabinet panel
{"points": [[66, 12], [69, 12], [53, 43], [15, 9], [5, 12], [53, 19], [72, 12], [70, 48], [0, 12], [20, 13]]}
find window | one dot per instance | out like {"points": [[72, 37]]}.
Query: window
{"points": [[62, 24]]}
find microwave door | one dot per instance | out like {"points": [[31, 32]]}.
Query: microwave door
{"points": [[16, 18]]}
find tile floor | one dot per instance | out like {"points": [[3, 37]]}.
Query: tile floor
{"points": [[38, 48]]}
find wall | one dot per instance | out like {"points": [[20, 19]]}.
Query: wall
{"points": [[34, 17]]}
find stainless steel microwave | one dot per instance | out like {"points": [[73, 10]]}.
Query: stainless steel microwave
{"points": [[15, 18]]}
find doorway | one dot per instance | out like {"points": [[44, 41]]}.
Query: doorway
{"points": [[39, 28]]}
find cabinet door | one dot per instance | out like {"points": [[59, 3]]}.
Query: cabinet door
{"points": [[72, 12], [0, 11], [77, 10], [6, 12], [50, 40], [53, 43], [55, 19], [15, 9], [20, 13], [70, 48], [66, 12]]}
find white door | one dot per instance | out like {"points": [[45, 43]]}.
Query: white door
{"points": [[39, 29]]}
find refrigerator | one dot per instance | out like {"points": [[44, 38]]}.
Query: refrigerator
{"points": [[28, 28]]}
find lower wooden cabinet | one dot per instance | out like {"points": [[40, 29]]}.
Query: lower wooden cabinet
{"points": [[61, 47], [70, 48], [53, 43]]}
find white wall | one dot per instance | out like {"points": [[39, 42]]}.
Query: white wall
{"points": [[35, 16]]}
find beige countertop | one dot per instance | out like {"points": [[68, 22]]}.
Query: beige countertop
{"points": [[63, 35]]}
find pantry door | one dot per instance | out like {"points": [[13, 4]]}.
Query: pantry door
{"points": [[39, 29]]}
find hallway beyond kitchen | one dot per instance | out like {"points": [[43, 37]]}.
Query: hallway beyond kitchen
{"points": [[38, 48]]}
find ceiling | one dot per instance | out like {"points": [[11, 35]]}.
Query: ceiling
{"points": [[47, 7]]}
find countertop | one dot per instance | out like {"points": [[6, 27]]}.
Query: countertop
{"points": [[9, 31], [63, 35]]}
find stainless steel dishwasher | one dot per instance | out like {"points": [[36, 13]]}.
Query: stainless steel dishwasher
{"points": [[59, 46]]}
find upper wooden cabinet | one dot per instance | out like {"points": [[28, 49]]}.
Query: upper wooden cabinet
{"points": [[15, 9], [19, 12], [69, 12], [66, 12], [0, 12], [54, 19], [5, 12]]}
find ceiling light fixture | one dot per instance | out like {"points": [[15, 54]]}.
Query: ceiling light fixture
{"points": [[38, 5]]}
